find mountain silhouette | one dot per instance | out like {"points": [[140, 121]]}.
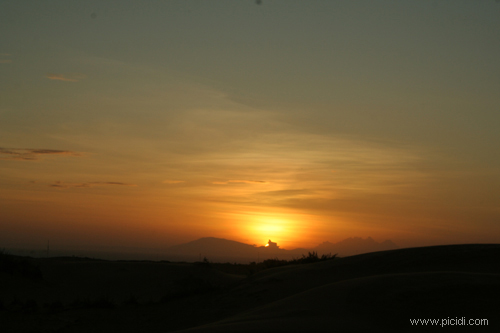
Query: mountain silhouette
{"points": [[212, 246], [224, 250]]}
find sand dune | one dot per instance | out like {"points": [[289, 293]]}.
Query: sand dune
{"points": [[383, 302], [378, 291], [381, 290], [67, 280]]}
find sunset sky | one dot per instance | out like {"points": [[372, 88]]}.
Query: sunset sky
{"points": [[145, 124]]}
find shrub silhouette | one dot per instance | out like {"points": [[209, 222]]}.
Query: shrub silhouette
{"points": [[204, 263], [313, 257], [271, 263], [253, 267]]}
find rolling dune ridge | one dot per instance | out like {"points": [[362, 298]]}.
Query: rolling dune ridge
{"points": [[378, 291]]}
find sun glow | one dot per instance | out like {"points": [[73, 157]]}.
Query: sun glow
{"points": [[271, 226], [288, 229], [280, 228]]}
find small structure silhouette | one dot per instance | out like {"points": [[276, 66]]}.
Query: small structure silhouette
{"points": [[272, 245]]}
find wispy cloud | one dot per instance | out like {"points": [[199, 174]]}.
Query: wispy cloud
{"points": [[23, 154], [59, 184], [286, 193], [69, 77], [173, 181], [241, 181]]}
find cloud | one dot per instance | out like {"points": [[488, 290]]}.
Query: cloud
{"points": [[172, 181], [287, 193], [241, 181], [23, 154], [70, 77], [59, 184]]}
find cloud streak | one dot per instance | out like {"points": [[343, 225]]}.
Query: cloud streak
{"points": [[23, 154], [72, 77], [64, 185], [241, 181]]}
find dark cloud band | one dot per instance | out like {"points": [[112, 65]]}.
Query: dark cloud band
{"points": [[59, 184], [23, 154]]}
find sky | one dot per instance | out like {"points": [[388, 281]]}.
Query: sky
{"points": [[144, 124]]}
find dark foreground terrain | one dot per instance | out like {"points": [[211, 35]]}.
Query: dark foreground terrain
{"points": [[376, 292]]}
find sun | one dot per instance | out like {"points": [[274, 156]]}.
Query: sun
{"points": [[287, 229], [266, 228]]}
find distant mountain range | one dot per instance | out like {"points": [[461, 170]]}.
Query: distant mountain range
{"points": [[222, 250]]}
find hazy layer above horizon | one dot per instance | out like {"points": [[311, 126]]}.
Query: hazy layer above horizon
{"points": [[144, 124]]}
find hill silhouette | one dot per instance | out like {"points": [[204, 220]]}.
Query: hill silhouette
{"points": [[224, 250], [376, 292], [355, 245], [373, 292]]}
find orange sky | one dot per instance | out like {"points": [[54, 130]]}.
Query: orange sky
{"points": [[143, 124]]}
